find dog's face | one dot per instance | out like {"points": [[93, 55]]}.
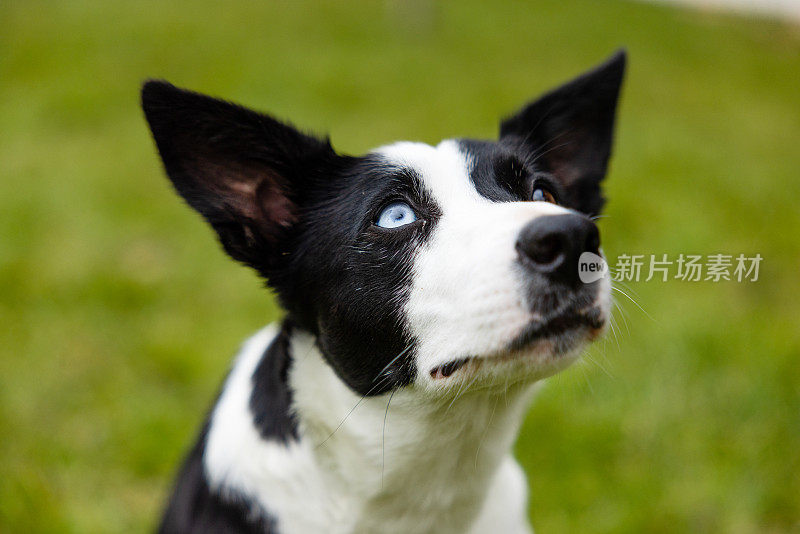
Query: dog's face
{"points": [[413, 265]]}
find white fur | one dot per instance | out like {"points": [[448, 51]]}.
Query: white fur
{"points": [[429, 469], [466, 298], [284, 479]]}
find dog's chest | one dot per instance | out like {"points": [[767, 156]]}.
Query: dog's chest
{"points": [[402, 476], [382, 464]]}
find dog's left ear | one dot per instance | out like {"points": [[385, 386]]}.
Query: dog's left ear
{"points": [[570, 131]]}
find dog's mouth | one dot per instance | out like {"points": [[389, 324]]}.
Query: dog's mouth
{"points": [[552, 330], [447, 369], [593, 319]]}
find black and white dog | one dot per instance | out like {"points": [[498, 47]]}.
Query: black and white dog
{"points": [[426, 288]]}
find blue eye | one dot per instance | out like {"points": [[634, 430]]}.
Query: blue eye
{"points": [[395, 215]]}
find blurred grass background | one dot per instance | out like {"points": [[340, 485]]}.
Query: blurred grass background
{"points": [[120, 314]]}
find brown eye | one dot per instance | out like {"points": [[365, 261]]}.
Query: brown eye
{"points": [[540, 194]]}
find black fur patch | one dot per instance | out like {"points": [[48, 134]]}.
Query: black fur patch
{"points": [[568, 132], [271, 398], [194, 508], [284, 203], [350, 278], [505, 171], [243, 171]]}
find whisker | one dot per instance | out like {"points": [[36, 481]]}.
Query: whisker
{"points": [[463, 382], [622, 314], [586, 379], [393, 360], [373, 388], [631, 299], [485, 432], [540, 155], [383, 436], [461, 390], [598, 364], [614, 331], [627, 287]]}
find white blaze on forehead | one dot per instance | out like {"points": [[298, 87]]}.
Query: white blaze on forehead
{"points": [[467, 294], [443, 170]]}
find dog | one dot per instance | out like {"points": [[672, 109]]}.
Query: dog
{"points": [[427, 292]]}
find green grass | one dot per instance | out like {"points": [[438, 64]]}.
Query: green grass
{"points": [[119, 313]]}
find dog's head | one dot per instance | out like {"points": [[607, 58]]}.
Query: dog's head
{"points": [[414, 264]]}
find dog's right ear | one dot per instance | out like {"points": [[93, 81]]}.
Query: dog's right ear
{"points": [[570, 131], [243, 171]]}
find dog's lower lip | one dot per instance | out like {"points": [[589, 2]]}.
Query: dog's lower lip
{"points": [[447, 369], [557, 325]]}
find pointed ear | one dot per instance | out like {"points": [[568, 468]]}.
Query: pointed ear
{"points": [[243, 171], [570, 131]]}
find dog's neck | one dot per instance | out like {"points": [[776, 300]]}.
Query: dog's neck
{"points": [[403, 451]]}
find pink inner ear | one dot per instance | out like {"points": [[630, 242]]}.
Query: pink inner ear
{"points": [[251, 193], [564, 158], [275, 204]]}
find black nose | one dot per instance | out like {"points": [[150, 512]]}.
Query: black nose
{"points": [[551, 245]]}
